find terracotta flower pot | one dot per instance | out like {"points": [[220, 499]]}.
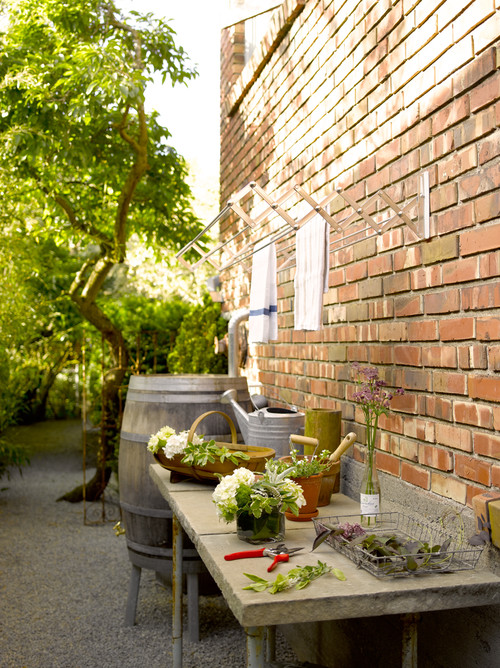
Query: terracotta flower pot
{"points": [[310, 487]]}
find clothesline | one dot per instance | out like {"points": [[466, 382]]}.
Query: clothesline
{"points": [[420, 226]]}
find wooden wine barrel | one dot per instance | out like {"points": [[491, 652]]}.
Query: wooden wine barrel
{"points": [[151, 403]]}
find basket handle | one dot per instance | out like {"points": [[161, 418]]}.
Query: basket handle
{"points": [[234, 435]]}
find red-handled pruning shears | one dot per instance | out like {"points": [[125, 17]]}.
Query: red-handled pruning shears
{"points": [[278, 553]]}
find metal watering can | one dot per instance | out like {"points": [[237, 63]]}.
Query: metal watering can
{"points": [[265, 426]]}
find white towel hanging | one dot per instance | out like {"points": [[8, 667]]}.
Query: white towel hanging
{"points": [[263, 318], [311, 274]]}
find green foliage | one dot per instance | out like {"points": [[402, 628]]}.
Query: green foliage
{"points": [[194, 347], [11, 456], [199, 454], [150, 327], [82, 169], [298, 577]]}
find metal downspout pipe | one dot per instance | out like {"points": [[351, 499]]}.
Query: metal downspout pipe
{"points": [[233, 347]]}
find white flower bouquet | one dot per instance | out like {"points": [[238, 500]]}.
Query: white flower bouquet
{"points": [[245, 492], [194, 452]]}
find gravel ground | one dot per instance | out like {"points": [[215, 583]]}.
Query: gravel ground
{"points": [[64, 583]]}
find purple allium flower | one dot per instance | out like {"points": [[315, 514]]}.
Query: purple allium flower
{"points": [[372, 397]]}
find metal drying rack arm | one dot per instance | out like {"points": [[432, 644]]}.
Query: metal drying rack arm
{"points": [[401, 214]]}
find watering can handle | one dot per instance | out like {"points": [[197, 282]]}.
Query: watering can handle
{"points": [[304, 440]]}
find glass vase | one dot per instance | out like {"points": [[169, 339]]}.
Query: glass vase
{"points": [[268, 528], [370, 492]]}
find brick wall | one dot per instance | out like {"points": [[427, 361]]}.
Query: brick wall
{"points": [[367, 95]]}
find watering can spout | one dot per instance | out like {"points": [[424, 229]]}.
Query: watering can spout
{"points": [[230, 397]]}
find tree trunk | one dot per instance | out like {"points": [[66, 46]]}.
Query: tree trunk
{"points": [[111, 414]]}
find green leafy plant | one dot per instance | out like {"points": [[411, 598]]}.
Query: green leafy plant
{"points": [[246, 492], [11, 456], [298, 577], [208, 451], [391, 552], [402, 554], [304, 466]]}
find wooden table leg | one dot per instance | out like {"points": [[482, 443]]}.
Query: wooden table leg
{"points": [[409, 640], [176, 593], [256, 646]]}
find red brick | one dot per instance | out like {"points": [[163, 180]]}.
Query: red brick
{"points": [[473, 357], [420, 429], [415, 475], [489, 265], [495, 476], [458, 163], [439, 356], [436, 458], [444, 197], [380, 265], [392, 331], [456, 329], [487, 207], [488, 329], [381, 355], [474, 128], [426, 278], [382, 308], [442, 302], [494, 357], [454, 219], [461, 271], [454, 437], [489, 149], [473, 414], [407, 306], [438, 408], [487, 445], [482, 96], [479, 69], [473, 469], [408, 355], [388, 153], [482, 180], [452, 114], [449, 487], [356, 272], [406, 403], [480, 240], [485, 388], [348, 293], [481, 297], [449, 383], [423, 331], [407, 258], [388, 463], [437, 97]]}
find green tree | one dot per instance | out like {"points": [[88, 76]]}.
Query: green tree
{"points": [[80, 154]]}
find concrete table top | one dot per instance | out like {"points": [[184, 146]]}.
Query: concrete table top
{"points": [[360, 595]]}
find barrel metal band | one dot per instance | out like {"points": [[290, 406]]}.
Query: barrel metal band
{"points": [[157, 551], [146, 512]]}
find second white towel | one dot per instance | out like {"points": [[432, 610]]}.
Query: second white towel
{"points": [[311, 274], [263, 319]]}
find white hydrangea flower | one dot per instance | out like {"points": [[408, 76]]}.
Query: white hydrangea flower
{"points": [[224, 495], [171, 442], [293, 490]]}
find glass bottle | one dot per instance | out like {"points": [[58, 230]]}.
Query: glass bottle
{"points": [[370, 492]]}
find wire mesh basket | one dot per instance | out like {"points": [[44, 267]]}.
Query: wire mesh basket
{"points": [[397, 545]]}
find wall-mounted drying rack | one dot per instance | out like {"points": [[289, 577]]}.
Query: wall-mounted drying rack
{"points": [[415, 214]]}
